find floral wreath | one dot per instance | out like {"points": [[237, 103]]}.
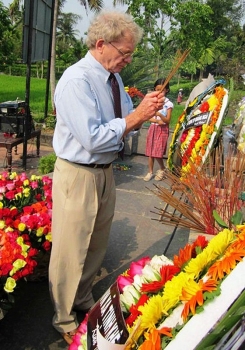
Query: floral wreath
{"points": [[197, 128]]}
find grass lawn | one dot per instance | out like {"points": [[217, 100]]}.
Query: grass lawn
{"points": [[13, 87]]}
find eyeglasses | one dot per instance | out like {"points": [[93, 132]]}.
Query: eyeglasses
{"points": [[125, 55]]}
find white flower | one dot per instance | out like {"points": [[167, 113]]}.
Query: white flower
{"points": [[160, 260], [130, 296], [150, 274], [138, 281]]}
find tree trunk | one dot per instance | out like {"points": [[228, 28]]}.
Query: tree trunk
{"points": [[201, 75], [42, 69], [53, 55]]}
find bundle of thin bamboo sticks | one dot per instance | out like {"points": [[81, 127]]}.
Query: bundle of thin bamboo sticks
{"points": [[217, 186], [179, 60]]}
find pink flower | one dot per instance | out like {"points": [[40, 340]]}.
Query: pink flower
{"points": [[82, 329], [10, 186], [23, 176], [83, 326], [34, 184], [2, 189], [137, 267], [124, 281]]}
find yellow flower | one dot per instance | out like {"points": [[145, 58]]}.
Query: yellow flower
{"points": [[213, 102], [221, 241], [21, 227], [13, 175], [193, 154], [26, 192], [9, 285], [197, 265], [198, 145], [1, 205], [240, 227], [173, 288], [2, 224], [49, 237], [215, 248], [39, 232], [25, 247], [17, 265], [18, 195], [26, 182], [152, 312], [35, 177]]}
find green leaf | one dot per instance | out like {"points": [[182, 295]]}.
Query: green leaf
{"points": [[237, 218], [233, 315], [218, 219]]}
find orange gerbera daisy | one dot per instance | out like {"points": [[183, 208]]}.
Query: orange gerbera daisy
{"points": [[192, 294], [225, 265], [189, 251], [153, 339], [152, 342], [185, 254]]}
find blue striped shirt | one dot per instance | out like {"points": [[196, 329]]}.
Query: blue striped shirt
{"points": [[86, 129]]}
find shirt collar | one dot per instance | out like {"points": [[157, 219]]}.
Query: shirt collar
{"points": [[97, 65]]}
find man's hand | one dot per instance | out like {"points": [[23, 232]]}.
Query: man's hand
{"points": [[151, 103]]}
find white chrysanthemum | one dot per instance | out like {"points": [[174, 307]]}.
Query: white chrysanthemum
{"points": [[160, 260], [130, 296], [150, 274], [138, 281]]}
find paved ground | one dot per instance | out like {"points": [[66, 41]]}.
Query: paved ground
{"points": [[134, 234]]}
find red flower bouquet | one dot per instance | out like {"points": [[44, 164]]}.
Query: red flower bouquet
{"points": [[25, 228]]}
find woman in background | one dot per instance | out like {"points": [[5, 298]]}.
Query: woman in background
{"points": [[180, 96]]}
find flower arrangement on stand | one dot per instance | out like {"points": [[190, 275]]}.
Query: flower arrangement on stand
{"points": [[159, 296], [197, 128], [25, 229]]}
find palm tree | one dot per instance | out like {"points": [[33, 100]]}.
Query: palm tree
{"points": [[65, 24], [93, 5]]}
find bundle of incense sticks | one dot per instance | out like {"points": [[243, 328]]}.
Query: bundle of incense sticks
{"points": [[180, 59]]}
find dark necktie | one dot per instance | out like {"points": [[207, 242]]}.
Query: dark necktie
{"points": [[117, 101]]}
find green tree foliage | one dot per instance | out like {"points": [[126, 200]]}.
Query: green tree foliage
{"points": [[210, 28], [225, 14], [92, 5], [68, 48], [8, 37]]}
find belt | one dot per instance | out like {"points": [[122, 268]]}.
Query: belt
{"points": [[94, 166]]}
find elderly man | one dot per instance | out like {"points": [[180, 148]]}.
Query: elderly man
{"points": [[88, 137]]}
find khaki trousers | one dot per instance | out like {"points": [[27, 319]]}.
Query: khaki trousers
{"points": [[83, 209]]}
